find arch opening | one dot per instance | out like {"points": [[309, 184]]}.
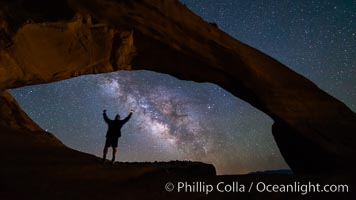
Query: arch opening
{"points": [[174, 120]]}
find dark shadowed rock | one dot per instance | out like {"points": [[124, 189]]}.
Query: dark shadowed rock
{"points": [[11, 115], [314, 131]]}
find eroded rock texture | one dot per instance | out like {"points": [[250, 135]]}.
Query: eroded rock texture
{"points": [[48, 41]]}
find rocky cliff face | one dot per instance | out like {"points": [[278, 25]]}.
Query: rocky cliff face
{"points": [[48, 41], [12, 116], [19, 133]]}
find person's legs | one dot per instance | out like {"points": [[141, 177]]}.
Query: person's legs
{"points": [[106, 147], [114, 150], [105, 151]]}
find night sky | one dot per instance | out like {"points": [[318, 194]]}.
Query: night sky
{"points": [[183, 120]]}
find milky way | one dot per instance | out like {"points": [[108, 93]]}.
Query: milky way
{"points": [[161, 113], [183, 120]]}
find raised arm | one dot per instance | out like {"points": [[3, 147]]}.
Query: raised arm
{"points": [[128, 117], [106, 118]]}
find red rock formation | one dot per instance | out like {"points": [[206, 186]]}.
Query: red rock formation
{"points": [[45, 43]]}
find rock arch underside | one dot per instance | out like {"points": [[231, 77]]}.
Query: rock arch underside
{"points": [[46, 41]]}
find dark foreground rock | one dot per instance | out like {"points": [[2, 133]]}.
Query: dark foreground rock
{"points": [[40, 169], [36, 165]]}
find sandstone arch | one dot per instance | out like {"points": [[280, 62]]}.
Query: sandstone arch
{"points": [[313, 130]]}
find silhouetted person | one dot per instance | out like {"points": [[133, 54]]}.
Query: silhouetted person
{"points": [[113, 133]]}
